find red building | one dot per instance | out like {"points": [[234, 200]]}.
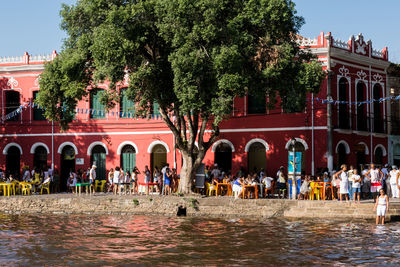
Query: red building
{"points": [[254, 136]]}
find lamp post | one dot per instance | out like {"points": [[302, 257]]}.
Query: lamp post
{"points": [[294, 184]]}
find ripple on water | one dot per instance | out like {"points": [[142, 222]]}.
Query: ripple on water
{"points": [[118, 240]]}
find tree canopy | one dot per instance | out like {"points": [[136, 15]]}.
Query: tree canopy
{"points": [[190, 56]]}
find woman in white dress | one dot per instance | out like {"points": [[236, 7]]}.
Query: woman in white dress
{"points": [[344, 182]]}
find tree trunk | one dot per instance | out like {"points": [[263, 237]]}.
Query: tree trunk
{"points": [[187, 175]]}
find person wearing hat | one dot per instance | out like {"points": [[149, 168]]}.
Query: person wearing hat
{"points": [[394, 174], [92, 177]]}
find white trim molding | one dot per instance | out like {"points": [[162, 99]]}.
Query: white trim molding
{"points": [[256, 140], [384, 152], [37, 144], [302, 141], [61, 147], [346, 145], [92, 145], [216, 144], [121, 146], [5, 150], [366, 147], [157, 142]]}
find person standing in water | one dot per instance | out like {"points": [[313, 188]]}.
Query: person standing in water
{"points": [[381, 206]]}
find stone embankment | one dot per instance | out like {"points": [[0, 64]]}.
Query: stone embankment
{"points": [[223, 207]]}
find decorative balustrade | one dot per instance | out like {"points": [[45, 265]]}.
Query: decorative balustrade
{"points": [[377, 53], [37, 58], [12, 59], [340, 44], [306, 41]]}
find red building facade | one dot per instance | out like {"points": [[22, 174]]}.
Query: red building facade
{"points": [[253, 137]]}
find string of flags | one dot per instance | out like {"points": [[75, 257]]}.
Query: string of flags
{"points": [[93, 112], [380, 100]]}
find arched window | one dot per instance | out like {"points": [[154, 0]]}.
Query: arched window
{"points": [[158, 157], [99, 159], [344, 118], [127, 106], [379, 156], [13, 162], [256, 104], [378, 120], [223, 157], [128, 158], [97, 108], [257, 157], [362, 108], [361, 159], [341, 155], [40, 158], [12, 103]]}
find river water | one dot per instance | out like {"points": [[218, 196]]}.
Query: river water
{"points": [[27, 240]]}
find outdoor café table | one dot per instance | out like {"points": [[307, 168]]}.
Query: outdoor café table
{"points": [[148, 186], [79, 185], [228, 187], [248, 187], [6, 188]]}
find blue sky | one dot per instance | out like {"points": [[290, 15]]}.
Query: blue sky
{"points": [[33, 25]]}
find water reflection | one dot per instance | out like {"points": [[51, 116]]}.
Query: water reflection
{"points": [[119, 240]]}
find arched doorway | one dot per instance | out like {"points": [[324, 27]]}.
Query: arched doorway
{"points": [[67, 164], [223, 157], [378, 122], [341, 155], [378, 156], [128, 158], [158, 157], [299, 147], [362, 108], [343, 108], [99, 159], [40, 158], [257, 157], [396, 155], [360, 152], [13, 162]]}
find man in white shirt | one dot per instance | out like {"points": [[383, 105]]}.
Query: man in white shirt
{"points": [[376, 179], [393, 174], [92, 177], [27, 175], [216, 172]]}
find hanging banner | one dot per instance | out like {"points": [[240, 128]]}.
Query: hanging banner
{"points": [[298, 162]]}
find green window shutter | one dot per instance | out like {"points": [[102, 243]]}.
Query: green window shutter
{"points": [[38, 114], [256, 104], [127, 106], [95, 105], [156, 108], [128, 161], [100, 160]]}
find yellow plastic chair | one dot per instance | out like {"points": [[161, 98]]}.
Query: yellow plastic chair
{"points": [[314, 191], [99, 185], [45, 186], [26, 189], [210, 191]]}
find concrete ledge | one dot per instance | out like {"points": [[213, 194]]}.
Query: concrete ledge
{"points": [[224, 207]]}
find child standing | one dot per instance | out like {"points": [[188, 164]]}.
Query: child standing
{"points": [[381, 206], [356, 185]]}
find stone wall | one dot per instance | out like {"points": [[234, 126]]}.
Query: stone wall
{"points": [[225, 207]]}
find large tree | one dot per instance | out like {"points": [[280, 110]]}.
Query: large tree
{"points": [[190, 56]]}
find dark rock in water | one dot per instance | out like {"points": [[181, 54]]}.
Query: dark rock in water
{"points": [[181, 211]]}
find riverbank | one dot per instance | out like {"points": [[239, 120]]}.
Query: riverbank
{"points": [[193, 206]]}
